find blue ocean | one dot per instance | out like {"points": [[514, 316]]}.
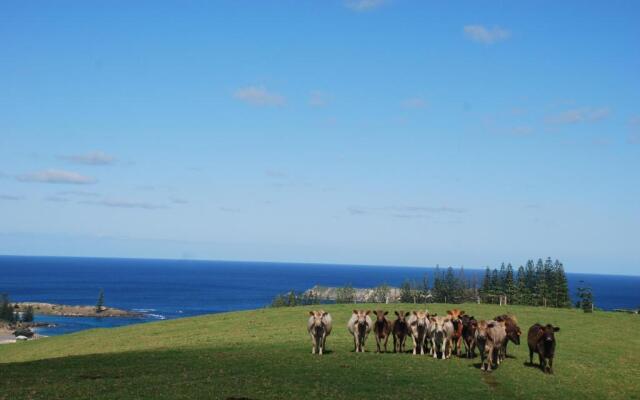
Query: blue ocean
{"points": [[166, 289]]}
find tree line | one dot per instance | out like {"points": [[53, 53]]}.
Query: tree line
{"points": [[8, 314]]}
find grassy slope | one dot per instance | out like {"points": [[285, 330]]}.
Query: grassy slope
{"points": [[266, 354]]}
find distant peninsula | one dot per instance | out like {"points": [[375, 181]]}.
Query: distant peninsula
{"points": [[63, 310]]}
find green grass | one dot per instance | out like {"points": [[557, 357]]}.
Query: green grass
{"points": [[266, 354]]}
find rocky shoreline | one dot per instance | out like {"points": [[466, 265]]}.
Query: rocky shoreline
{"points": [[63, 310]]}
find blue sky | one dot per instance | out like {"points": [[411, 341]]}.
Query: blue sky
{"points": [[367, 131]]}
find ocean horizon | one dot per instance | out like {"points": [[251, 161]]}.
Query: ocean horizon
{"points": [[168, 289]]}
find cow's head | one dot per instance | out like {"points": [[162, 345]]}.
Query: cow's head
{"points": [[361, 321], [455, 314], [380, 315], [548, 333], [402, 316], [481, 330], [420, 318], [317, 317]]}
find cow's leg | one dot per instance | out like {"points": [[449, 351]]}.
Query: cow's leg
{"points": [[321, 344], [415, 345], [324, 341], [489, 359], [377, 342], [550, 361], [386, 339], [434, 347], [542, 362], [313, 343]]}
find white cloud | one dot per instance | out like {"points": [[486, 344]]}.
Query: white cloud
{"points": [[275, 173], [258, 96], [415, 102], [56, 176], [56, 199], [124, 204], [10, 197], [81, 193], [405, 211], [481, 34], [579, 115], [318, 99], [364, 5], [92, 158]]}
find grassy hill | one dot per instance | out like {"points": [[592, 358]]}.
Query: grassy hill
{"points": [[266, 354]]}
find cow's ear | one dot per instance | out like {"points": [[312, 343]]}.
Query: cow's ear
{"points": [[556, 329], [491, 325], [435, 315], [311, 313], [396, 313], [415, 313], [386, 312], [462, 312], [355, 311], [449, 312], [375, 312], [407, 314], [324, 313], [367, 312]]}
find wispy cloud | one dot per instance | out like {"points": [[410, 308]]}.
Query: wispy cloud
{"points": [[92, 158], [634, 130], [405, 211], [258, 96], [318, 99], [57, 177], [56, 199], [275, 173], [80, 193], [415, 103], [123, 204], [11, 197], [482, 34], [176, 200], [364, 5], [230, 210], [579, 115]]}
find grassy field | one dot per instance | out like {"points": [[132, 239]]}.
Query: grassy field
{"points": [[266, 354]]}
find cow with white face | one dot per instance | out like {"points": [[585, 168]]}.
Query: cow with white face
{"points": [[441, 336], [319, 327], [359, 326], [419, 328]]}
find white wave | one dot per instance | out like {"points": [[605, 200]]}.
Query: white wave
{"points": [[157, 316], [144, 310]]}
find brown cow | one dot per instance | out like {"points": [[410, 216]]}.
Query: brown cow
{"points": [[381, 328], [400, 329], [469, 327], [489, 337], [513, 331], [542, 340], [456, 339]]}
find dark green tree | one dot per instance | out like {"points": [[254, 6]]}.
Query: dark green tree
{"points": [[346, 294], [6, 308], [561, 286], [100, 302], [510, 285], [27, 316], [586, 297], [406, 292]]}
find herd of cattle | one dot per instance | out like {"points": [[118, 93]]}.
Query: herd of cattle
{"points": [[440, 336]]}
